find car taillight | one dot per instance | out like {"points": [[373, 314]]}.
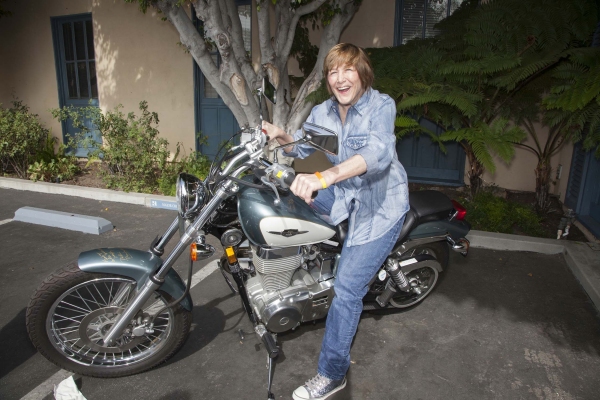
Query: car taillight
{"points": [[461, 212]]}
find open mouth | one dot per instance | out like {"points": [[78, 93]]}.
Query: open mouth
{"points": [[343, 90]]}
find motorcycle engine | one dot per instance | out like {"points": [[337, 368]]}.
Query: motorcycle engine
{"points": [[292, 285]]}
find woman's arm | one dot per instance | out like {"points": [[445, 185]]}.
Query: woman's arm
{"points": [[305, 184]]}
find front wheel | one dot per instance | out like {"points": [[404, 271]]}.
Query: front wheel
{"points": [[71, 312]]}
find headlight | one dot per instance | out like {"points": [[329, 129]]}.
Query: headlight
{"points": [[191, 193]]}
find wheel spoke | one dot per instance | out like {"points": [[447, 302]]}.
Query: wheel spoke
{"points": [[76, 308], [100, 294], [67, 319]]}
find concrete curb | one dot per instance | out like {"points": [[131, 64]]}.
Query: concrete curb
{"points": [[82, 191], [583, 259]]}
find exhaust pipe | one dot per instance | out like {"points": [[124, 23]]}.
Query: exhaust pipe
{"points": [[460, 246]]}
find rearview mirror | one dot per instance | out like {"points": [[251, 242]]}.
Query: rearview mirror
{"points": [[320, 138], [268, 90]]}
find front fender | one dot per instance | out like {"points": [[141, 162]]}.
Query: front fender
{"points": [[135, 264]]}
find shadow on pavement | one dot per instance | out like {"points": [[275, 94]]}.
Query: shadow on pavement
{"points": [[16, 347]]}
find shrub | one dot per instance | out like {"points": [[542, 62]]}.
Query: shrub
{"points": [[22, 138], [490, 213], [195, 163], [53, 165], [133, 154]]}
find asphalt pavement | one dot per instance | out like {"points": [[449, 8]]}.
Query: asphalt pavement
{"points": [[501, 325]]}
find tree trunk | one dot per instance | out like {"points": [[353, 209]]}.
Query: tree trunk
{"points": [[543, 172], [475, 173], [235, 78]]}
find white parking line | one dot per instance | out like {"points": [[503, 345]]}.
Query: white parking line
{"points": [[47, 387], [5, 221]]}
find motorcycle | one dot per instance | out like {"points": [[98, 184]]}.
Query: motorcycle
{"points": [[116, 311]]}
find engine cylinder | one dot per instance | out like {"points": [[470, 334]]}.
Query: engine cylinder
{"points": [[275, 267]]}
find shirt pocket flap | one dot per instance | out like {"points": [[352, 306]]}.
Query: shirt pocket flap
{"points": [[356, 142]]}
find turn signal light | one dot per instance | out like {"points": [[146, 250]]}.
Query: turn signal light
{"points": [[231, 255], [194, 252], [461, 212]]}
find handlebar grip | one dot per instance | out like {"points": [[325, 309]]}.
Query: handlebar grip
{"points": [[289, 179]]}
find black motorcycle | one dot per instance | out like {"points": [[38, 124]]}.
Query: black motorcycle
{"points": [[117, 311]]}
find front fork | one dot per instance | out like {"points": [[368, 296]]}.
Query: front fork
{"points": [[156, 280]]}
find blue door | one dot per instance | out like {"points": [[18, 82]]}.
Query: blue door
{"points": [[583, 189], [426, 163], [423, 160], [214, 120], [73, 38]]}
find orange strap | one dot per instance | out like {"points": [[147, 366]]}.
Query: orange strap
{"points": [[318, 174]]}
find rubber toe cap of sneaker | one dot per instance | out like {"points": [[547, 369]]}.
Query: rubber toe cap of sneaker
{"points": [[301, 394]]}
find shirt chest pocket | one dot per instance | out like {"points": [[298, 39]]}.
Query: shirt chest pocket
{"points": [[355, 142]]}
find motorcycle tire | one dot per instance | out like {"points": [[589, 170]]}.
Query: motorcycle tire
{"points": [[72, 309], [425, 278]]}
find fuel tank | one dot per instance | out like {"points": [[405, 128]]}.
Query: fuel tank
{"points": [[291, 223]]}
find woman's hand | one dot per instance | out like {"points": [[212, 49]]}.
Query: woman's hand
{"points": [[273, 131], [304, 185]]}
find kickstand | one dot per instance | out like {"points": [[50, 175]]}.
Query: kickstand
{"points": [[271, 366]]}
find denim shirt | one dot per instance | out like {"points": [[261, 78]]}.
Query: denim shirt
{"points": [[376, 200]]}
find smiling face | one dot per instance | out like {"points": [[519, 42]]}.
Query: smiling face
{"points": [[345, 84]]}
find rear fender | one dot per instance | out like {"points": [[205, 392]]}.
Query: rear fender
{"points": [[135, 264], [456, 229]]}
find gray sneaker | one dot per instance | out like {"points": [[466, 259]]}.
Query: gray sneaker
{"points": [[318, 388]]}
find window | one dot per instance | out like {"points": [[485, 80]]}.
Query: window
{"points": [[416, 18], [79, 62]]}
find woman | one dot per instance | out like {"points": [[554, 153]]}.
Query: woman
{"points": [[367, 185]]}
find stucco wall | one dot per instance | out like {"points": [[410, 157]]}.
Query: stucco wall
{"points": [[519, 173], [137, 58]]}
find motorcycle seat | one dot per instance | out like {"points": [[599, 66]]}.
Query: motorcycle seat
{"points": [[425, 205], [430, 205]]}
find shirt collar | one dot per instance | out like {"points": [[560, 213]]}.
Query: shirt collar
{"points": [[360, 105]]}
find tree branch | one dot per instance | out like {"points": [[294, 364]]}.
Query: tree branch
{"points": [[300, 11], [329, 38], [192, 39], [239, 49], [231, 73], [264, 35]]}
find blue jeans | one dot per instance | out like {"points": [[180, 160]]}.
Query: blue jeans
{"points": [[358, 264]]}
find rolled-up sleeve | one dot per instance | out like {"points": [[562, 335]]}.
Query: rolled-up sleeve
{"points": [[379, 151]]}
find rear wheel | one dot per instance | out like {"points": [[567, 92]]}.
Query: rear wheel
{"points": [[422, 280], [71, 312]]}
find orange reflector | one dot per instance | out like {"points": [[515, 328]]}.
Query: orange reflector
{"points": [[231, 255], [193, 252]]}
